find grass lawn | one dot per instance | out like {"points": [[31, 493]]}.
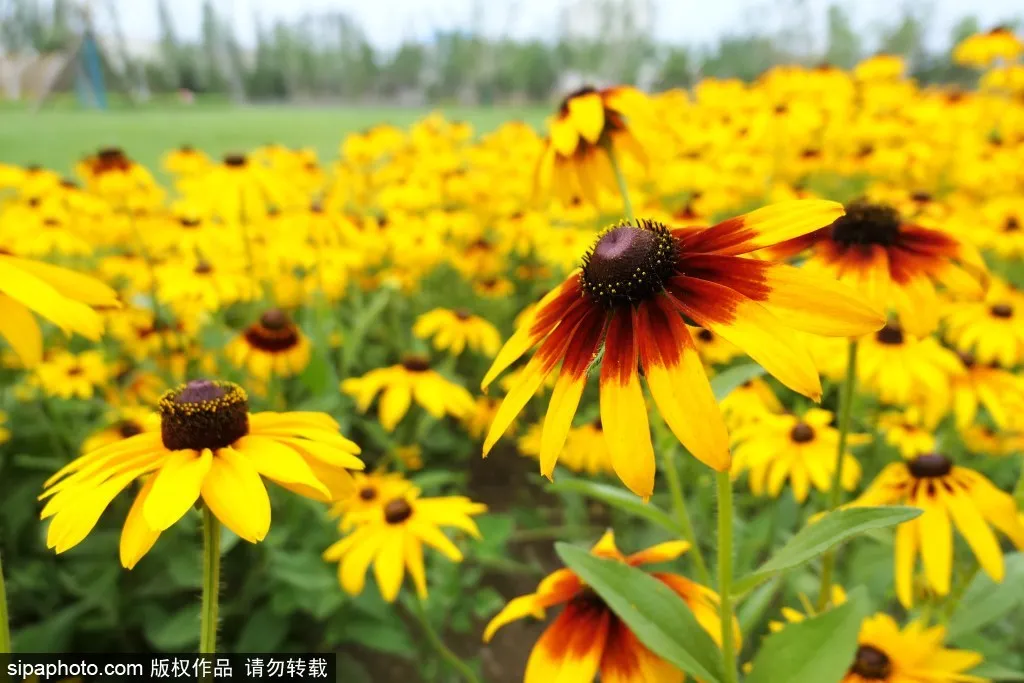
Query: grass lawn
{"points": [[57, 137]]}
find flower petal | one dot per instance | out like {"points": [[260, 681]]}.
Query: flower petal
{"points": [[176, 487], [235, 493]]}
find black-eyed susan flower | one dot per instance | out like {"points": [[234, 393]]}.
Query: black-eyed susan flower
{"points": [[985, 440], [240, 189], [983, 49], [479, 420], [902, 370], [455, 331], [628, 300], [749, 402], [124, 423], [494, 287], [908, 432], [112, 175], [399, 385], [205, 445], [588, 124], [949, 495], [992, 330], [587, 638], [392, 539], [894, 264], [68, 375], [800, 449], [62, 296], [712, 348], [186, 161], [370, 492], [1000, 391], [272, 346], [915, 654]]}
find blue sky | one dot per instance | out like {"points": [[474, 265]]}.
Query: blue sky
{"points": [[388, 22]]}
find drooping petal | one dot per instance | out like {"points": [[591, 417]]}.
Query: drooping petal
{"points": [[750, 326], [977, 533], [237, 496], [936, 541], [176, 487], [21, 331], [623, 409], [586, 112], [568, 389], [679, 384], [136, 536], [564, 136], [277, 461], [389, 565], [662, 552], [414, 563], [68, 283], [907, 535]]}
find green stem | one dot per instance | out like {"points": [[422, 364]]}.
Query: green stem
{"points": [[437, 643], [954, 598], [1018, 490], [725, 575], [683, 515], [5, 627], [621, 180], [835, 496], [211, 583]]}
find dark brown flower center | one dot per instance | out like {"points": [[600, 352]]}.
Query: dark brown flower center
{"points": [[274, 333], [203, 268], [463, 314], [235, 160], [866, 223], [1012, 224], [416, 363], [110, 159], [368, 493], [397, 511], [189, 222], [930, 466], [705, 335], [801, 433], [128, 428], [203, 414], [921, 197], [588, 599], [1002, 311], [891, 335], [871, 663], [967, 359], [629, 263]]}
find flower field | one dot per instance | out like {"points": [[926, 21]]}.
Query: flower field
{"points": [[718, 384]]}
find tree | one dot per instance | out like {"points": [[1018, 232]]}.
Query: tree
{"points": [[170, 53], [844, 45], [676, 69]]}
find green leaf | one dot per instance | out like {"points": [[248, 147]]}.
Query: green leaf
{"points": [[756, 605], [984, 601], [816, 650], [727, 380], [619, 497], [653, 611], [996, 672], [814, 539], [173, 634], [264, 631]]}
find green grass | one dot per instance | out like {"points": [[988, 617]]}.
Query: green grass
{"points": [[57, 137]]}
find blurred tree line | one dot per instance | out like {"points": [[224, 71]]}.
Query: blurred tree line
{"points": [[327, 55]]}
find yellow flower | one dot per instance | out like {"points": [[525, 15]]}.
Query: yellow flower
{"points": [[272, 346], [985, 440], [750, 402], [454, 331], [410, 456], [240, 189], [206, 445], [68, 375], [886, 654], [800, 449], [905, 370], [392, 540], [880, 67], [992, 330], [585, 448], [477, 421], [712, 348], [908, 432], [369, 493], [1001, 393], [949, 495], [186, 161], [982, 49], [401, 384], [62, 296], [587, 638]]}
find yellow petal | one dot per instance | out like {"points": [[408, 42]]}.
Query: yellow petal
{"points": [[586, 112], [236, 495], [389, 565], [21, 331], [176, 487], [819, 305], [277, 461], [136, 536]]}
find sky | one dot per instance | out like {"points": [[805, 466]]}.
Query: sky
{"points": [[388, 22]]}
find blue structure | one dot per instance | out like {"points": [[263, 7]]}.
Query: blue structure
{"points": [[89, 83]]}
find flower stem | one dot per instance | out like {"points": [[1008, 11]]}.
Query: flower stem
{"points": [[725, 575], [211, 583], [5, 628], [835, 496], [437, 643], [683, 515], [621, 180]]}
